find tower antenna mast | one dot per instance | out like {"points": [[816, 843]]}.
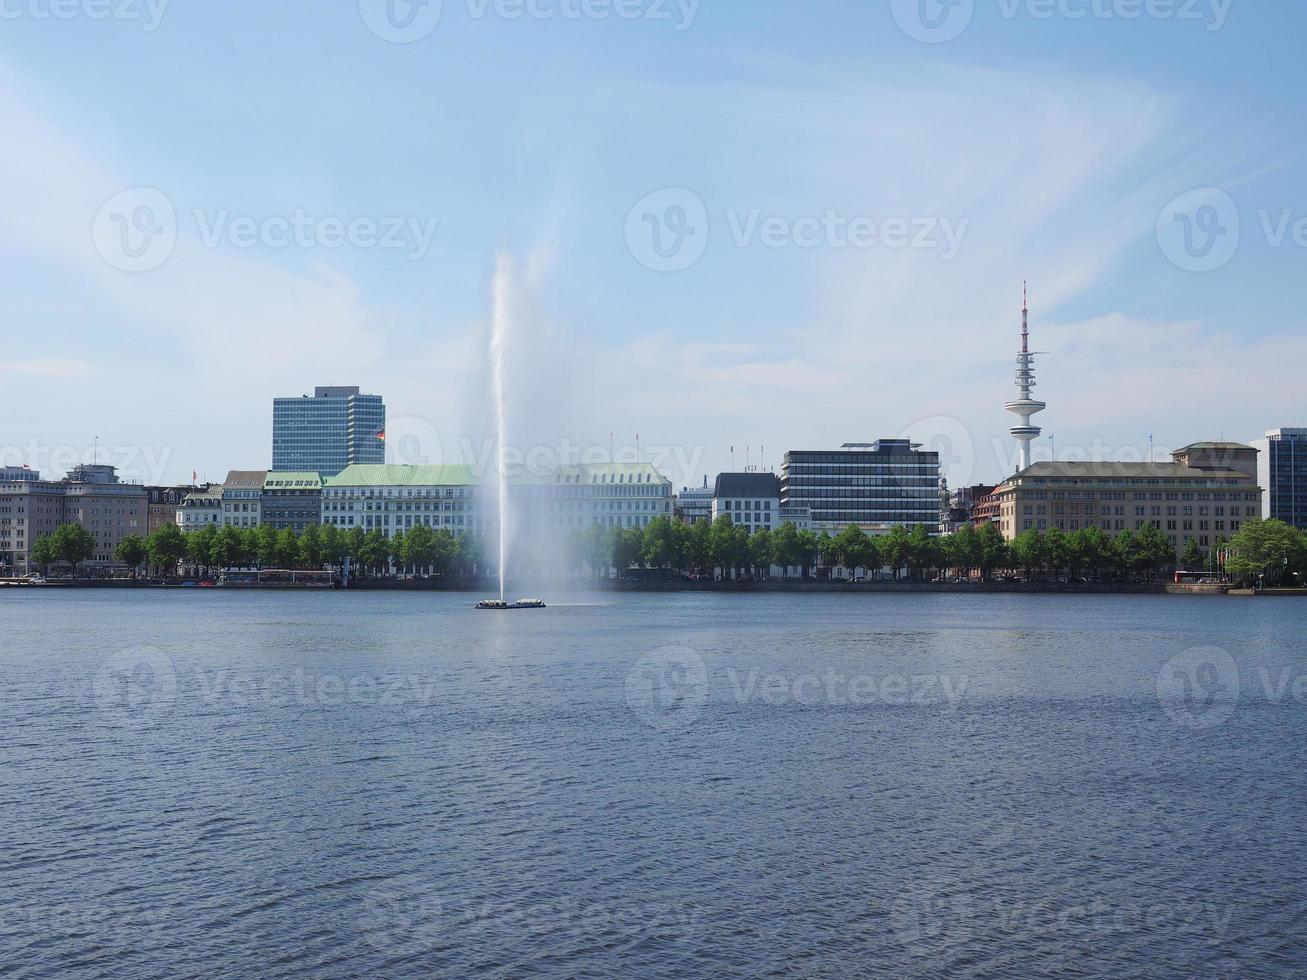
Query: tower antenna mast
{"points": [[1025, 407]]}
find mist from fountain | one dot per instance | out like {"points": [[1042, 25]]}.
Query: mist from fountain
{"points": [[501, 322]]}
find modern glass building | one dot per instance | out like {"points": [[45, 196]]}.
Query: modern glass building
{"points": [[1282, 473], [335, 428], [873, 485]]}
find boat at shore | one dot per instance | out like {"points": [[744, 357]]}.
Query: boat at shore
{"points": [[520, 604]]}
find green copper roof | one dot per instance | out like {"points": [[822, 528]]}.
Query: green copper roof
{"points": [[393, 475]]}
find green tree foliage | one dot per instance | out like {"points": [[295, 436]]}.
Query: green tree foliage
{"points": [[73, 544], [1268, 551], [166, 547], [132, 551]]}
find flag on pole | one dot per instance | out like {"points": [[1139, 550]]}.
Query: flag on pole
{"points": [[382, 435]]}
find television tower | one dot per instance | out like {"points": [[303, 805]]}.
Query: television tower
{"points": [[1025, 406]]}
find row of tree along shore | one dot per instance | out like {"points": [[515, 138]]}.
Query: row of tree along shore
{"points": [[1261, 553]]}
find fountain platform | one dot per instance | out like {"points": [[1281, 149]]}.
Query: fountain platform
{"points": [[500, 604]]}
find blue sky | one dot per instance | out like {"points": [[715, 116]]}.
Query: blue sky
{"points": [[1035, 144]]}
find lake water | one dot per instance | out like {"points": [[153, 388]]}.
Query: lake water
{"points": [[205, 783]]}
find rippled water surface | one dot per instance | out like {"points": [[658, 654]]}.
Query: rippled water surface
{"points": [[203, 783]]}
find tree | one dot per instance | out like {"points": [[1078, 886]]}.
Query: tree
{"points": [[167, 547], [420, 550], [132, 550], [288, 549], [993, 550], [661, 545], [375, 550], [1269, 550], [1125, 551], [334, 545], [1028, 551], [229, 548], [43, 552], [265, 546], [894, 549], [785, 547], [1155, 552], [1092, 549], [729, 544], [201, 546], [761, 552], [1057, 550], [963, 549], [923, 551], [1191, 558], [809, 545], [73, 544], [310, 547]]}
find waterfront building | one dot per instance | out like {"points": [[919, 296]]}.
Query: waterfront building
{"points": [[29, 508], [242, 496], [962, 506], [1282, 474], [876, 486], [751, 500], [163, 504], [390, 498], [334, 428], [694, 504], [625, 495], [1207, 491], [90, 495], [201, 507], [291, 500], [19, 474]]}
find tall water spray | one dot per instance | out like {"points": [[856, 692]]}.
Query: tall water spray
{"points": [[502, 319]]}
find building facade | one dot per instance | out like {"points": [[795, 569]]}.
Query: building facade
{"points": [[694, 504], [90, 495], [750, 500], [242, 497], [291, 501], [202, 507], [1207, 492], [163, 505], [572, 498], [335, 428], [874, 486], [392, 498], [1282, 474]]}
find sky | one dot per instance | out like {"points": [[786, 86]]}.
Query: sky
{"points": [[731, 228]]}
